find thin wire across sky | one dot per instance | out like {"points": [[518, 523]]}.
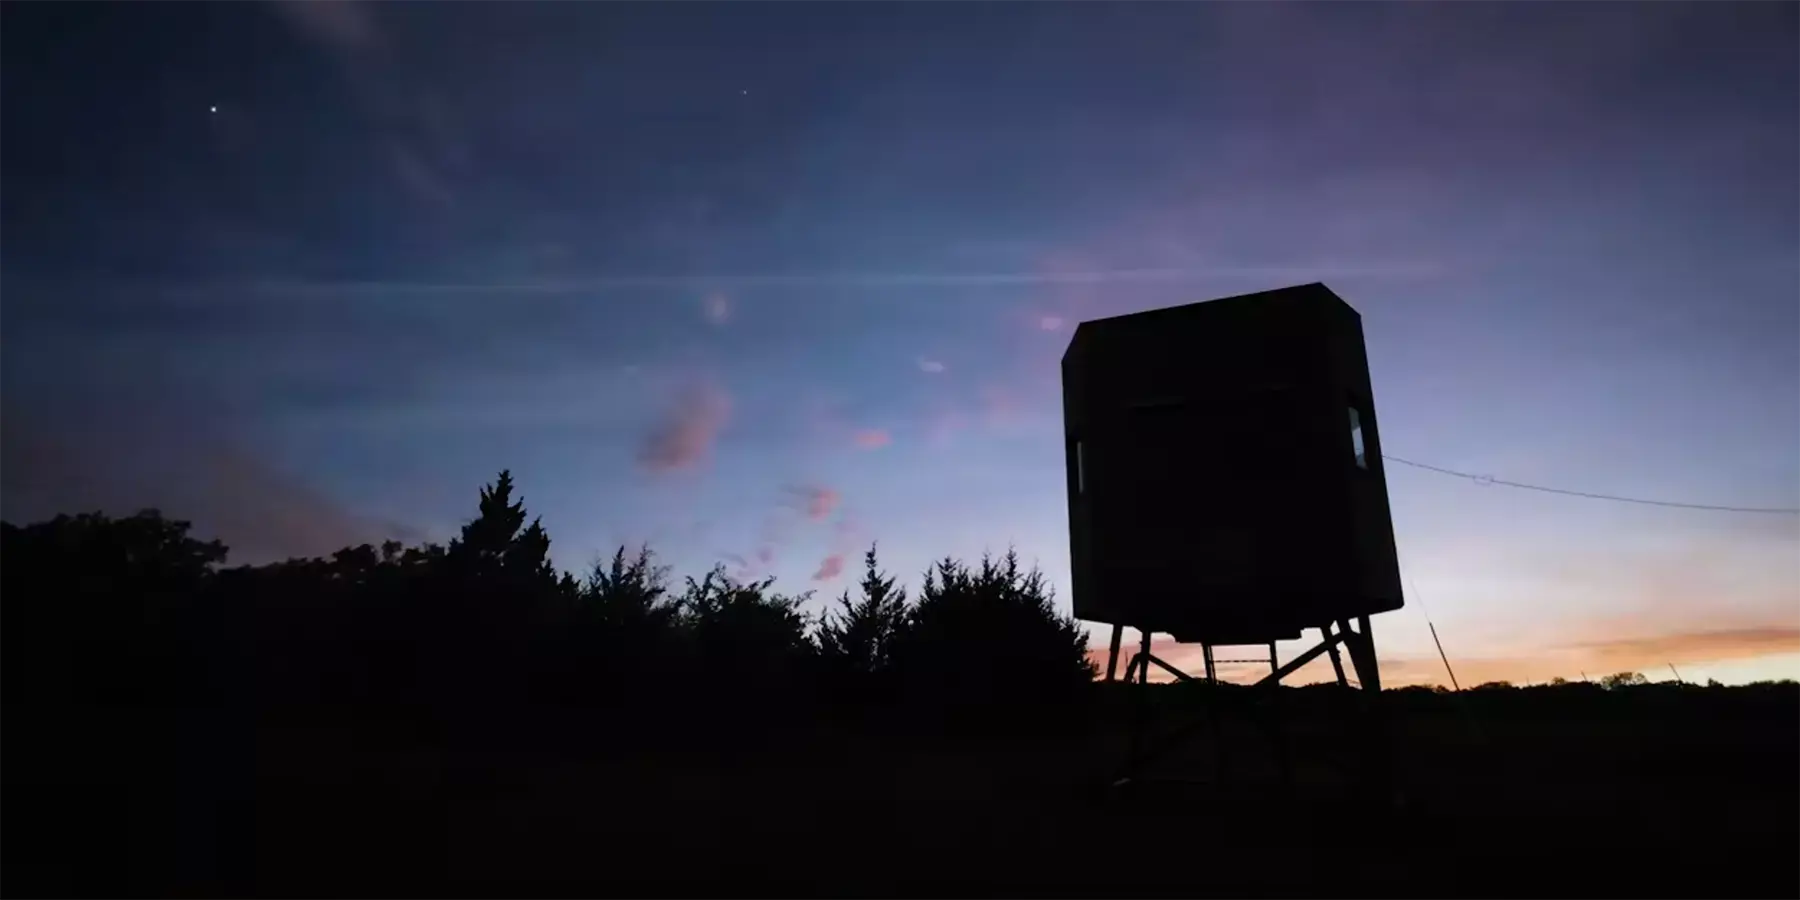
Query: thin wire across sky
{"points": [[1488, 479]]}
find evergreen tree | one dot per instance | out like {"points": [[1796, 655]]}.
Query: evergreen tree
{"points": [[487, 627], [744, 621], [497, 544], [858, 639], [628, 594], [746, 640], [624, 632]]}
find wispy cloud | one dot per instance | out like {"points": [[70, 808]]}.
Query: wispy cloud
{"points": [[843, 537], [873, 438], [342, 25], [830, 567], [417, 131], [798, 504], [716, 307], [684, 437], [1697, 646], [816, 501], [1254, 275], [931, 366]]}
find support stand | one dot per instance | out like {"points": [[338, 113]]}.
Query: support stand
{"points": [[1358, 642], [1212, 674]]}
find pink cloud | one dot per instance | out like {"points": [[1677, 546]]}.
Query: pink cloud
{"points": [[685, 435], [799, 503], [1050, 323], [831, 567], [816, 501], [873, 438], [827, 422], [717, 307], [1000, 405], [844, 537]]}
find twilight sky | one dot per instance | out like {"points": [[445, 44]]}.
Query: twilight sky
{"points": [[762, 283]]}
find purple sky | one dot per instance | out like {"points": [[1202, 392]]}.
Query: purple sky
{"points": [[764, 283]]}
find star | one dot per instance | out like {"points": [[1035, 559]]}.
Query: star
{"points": [[212, 109]]}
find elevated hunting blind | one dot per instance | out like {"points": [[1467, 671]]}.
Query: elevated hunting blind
{"points": [[1225, 479]]}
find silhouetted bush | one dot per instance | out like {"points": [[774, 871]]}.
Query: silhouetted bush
{"points": [[734, 621], [987, 641], [97, 609], [134, 610], [621, 632], [136, 613]]}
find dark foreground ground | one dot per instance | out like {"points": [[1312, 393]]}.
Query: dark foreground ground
{"points": [[1569, 791]]}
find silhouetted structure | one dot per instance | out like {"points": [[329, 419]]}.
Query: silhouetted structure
{"points": [[1225, 486], [1224, 469]]}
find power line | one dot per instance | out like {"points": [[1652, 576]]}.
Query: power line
{"points": [[1488, 479]]}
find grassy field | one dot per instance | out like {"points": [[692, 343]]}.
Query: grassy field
{"points": [[1647, 791]]}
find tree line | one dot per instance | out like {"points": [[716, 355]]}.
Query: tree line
{"points": [[105, 612]]}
